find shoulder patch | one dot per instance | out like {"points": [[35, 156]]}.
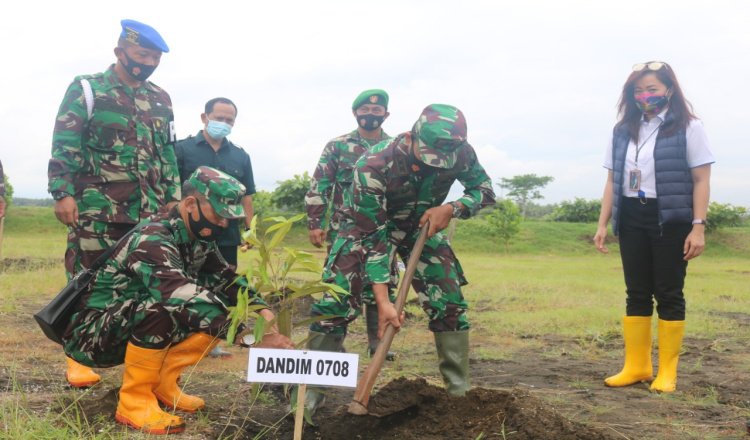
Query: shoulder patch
{"points": [[92, 76]]}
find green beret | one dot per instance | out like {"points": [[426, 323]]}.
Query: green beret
{"points": [[372, 96], [223, 191]]}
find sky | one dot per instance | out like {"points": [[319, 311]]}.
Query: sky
{"points": [[538, 81]]}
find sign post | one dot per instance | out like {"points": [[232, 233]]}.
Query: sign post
{"points": [[304, 368]]}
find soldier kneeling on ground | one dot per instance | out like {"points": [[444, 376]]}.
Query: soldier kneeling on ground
{"points": [[160, 304]]}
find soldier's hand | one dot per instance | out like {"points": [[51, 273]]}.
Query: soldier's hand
{"points": [[66, 211], [317, 237], [439, 217], [275, 340], [2, 207], [387, 315]]}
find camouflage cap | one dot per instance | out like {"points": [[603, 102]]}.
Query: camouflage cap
{"points": [[440, 132], [143, 35], [372, 96], [223, 191]]}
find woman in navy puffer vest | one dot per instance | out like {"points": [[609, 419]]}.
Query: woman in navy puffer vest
{"points": [[657, 194]]}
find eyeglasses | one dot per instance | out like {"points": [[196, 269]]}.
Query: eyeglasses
{"points": [[650, 66]]}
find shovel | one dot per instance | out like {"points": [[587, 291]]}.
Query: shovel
{"points": [[361, 399]]}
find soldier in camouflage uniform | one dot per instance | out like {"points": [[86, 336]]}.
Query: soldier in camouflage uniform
{"points": [[332, 179], [397, 187], [113, 162], [160, 304], [2, 192]]}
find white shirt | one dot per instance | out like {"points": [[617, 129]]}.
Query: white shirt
{"points": [[698, 153]]}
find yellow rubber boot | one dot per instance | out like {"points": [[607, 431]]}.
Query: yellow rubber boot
{"points": [[81, 376], [638, 367], [188, 352], [138, 406], [670, 343]]}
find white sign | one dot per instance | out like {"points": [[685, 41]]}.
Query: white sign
{"points": [[299, 366]]}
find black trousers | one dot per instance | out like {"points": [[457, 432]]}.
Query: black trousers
{"points": [[652, 259], [230, 254]]}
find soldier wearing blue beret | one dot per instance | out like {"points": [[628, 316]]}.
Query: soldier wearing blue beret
{"points": [[113, 162]]}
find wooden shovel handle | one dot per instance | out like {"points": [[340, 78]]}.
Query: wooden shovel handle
{"points": [[364, 388]]}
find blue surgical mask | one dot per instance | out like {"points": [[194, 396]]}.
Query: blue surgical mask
{"points": [[218, 130]]}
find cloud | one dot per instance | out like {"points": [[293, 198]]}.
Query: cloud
{"points": [[538, 81]]}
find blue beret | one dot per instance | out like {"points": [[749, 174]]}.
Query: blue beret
{"points": [[143, 35]]}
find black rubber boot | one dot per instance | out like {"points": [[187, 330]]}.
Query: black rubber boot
{"points": [[453, 360], [371, 320]]}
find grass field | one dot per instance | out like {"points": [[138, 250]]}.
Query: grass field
{"points": [[551, 286]]}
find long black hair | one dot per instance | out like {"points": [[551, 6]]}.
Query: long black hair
{"points": [[630, 115]]}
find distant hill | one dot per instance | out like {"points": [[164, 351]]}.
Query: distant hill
{"points": [[18, 201]]}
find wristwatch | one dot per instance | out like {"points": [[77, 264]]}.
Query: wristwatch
{"points": [[59, 195], [700, 222], [456, 209]]}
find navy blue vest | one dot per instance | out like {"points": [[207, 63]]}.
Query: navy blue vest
{"points": [[674, 182]]}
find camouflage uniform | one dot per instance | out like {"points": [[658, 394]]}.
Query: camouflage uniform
{"points": [[158, 287], [119, 165], [332, 178], [388, 198]]}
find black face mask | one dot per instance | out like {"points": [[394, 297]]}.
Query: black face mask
{"points": [[203, 228], [370, 122], [139, 71], [418, 167]]}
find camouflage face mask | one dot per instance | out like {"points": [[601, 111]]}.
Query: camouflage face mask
{"points": [[651, 104]]}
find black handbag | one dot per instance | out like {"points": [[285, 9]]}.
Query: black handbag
{"points": [[55, 317]]}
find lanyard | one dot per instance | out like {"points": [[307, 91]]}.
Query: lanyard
{"points": [[638, 150]]}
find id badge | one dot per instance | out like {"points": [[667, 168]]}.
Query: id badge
{"points": [[635, 180]]}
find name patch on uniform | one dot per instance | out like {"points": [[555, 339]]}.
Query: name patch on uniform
{"points": [[401, 169], [108, 106], [298, 366], [160, 112]]}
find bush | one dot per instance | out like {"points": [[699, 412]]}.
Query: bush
{"points": [[289, 196], [505, 222], [8, 193], [263, 204], [577, 211], [725, 216]]}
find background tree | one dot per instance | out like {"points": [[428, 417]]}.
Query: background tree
{"points": [[8, 193], [577, 211], [525, 188], [289, 196], [505, 222]]}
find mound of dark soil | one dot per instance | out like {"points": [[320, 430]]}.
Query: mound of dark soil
{"points": [[414, 409]]}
